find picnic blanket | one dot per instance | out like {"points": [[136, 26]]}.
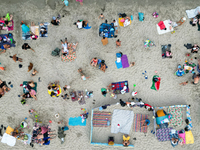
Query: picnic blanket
{"points": [[8, 139], [26, 82], [46, 27], [101, 118], [165, 48], [3, 27], [76, 121], [69, 57], [173, 134], [167, 26], [118, 64], [156, 85], [177, 116], [137, 123], [87, 27], [189, 67], [118, 86], [121, 121], [182, 135], [163, 134], [9, 41], [81, 97], [124, 60], [192, 12], [106, 30]]}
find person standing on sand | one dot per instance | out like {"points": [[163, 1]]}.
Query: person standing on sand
{"points": [[101, 16], [115, 25], [104, 41], [15, 58]]}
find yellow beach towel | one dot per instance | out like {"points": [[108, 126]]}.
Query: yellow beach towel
{"points": [[189, 137]]}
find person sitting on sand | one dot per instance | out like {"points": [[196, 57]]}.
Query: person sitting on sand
{"points": [[16, 133], [145, 122], [196, 79], [55, 21], [4, 48], [85, 23], [103, 66], [25, 46], [15, 58], [132, 64], [24, 27], [94, 62], [34, 72], [101, 16], [8, 23], [104, 41], [43, 29], [30, 85], [3, 88], [83, 77], [79, 24], [195, 49], [118, 43], [44, 135], [126, 141], [184, 83]]}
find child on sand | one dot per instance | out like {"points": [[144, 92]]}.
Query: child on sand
{"points": [[184, 83], [15, 58], [132, 64], [118, 43], [101, 16], [94, 62], [83, 77]]}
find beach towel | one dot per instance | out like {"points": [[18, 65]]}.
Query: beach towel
{"points": [[137, 126], [5, 27], [177, 116], [141, 16], [167, 26], [121, 121], [101, 119], [189, 67], [118, 86], [8, 139], [156, 85], [163, 134], [35, 30], [46, 27], [26, 35], [69, 58], [9, 130], [29, 139], [173, 134], [192, 12], [118, 64], [189, 137], [108, 29], [9, 41], [87, 27], [124, 61], [182, 135], [76, 121]]}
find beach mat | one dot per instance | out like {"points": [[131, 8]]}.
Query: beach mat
{"points": [[137, 126], [118, 64], [35, 30], [7, 28], [87, 27], [165, 48], [124, 60], [9, 43], [167, 25], [26, 36], [100, 118], [35, 88], [193, 12], [119, 86], [76, 121], [45, 26]]}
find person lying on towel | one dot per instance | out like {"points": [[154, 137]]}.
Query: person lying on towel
{"points": [[126, 141], [145, 122], [43, 30]]}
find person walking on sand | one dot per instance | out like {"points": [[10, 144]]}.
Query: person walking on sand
{"points": [[118, 43], [25, 46], [15, 58], [184, 83], [115, 25], [104, 41]]}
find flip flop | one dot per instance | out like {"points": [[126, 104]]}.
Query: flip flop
{"points": [[11, 86], [151, 131]]}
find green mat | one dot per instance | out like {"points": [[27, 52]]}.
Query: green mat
{"points": [[177, 116], [35, 88]]}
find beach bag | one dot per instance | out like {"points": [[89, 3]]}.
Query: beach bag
{"points": [[56, 52], [23, 101]]}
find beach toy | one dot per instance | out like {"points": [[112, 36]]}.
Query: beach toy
{"points": [[134, 93], [57, 115], [155, 15], [122, 20], [50, 121]]}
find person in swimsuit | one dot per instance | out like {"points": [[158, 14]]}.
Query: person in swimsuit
{"points": [[184, 83], [3, 86], [84, 23], [102, 66], [145, 122], [83, 77], [25, 46], [118, 43], [195, 49], [94, 62], [132, 64], [181, 21], [4, 47], [34, 72], [15, 58], [196, 79], [101, 16], [115, 25]]}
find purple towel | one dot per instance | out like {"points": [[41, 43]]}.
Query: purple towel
{"points": [[124, 60]]}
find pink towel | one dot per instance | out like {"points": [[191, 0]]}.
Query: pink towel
{"points": [[182, 135]]}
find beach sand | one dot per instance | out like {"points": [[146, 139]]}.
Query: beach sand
{"points": [[52, 68]]}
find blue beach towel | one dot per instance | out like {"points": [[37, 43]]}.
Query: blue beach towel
{"points": [[26, 32], [25, 28], [46, 27], [118, 64], [87, 27], [9, 43], [76, 121]]}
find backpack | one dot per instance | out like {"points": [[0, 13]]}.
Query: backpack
{"points": [[56, 52]]}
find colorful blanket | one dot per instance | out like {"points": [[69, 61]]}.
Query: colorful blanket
{"points": [[177, 116], [69, 57], [3, 27], [189, 67], [118, 86], [46, 27], [9, 41], [137, 126], [106, 30], [163, 134], [76, 121], [156, 85], [101, 118], [26, 36]]}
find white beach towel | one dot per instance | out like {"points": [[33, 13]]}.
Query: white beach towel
{"points": [[122, 121], [167, 25], [8, 139], [193, 12]]}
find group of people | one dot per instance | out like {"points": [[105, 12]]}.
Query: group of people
{"points": [[6, 22], [3, 88], [54, 89], [29, 92], [68, 48], [102, 66]]}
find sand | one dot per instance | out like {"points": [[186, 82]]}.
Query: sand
{"points": [[132, 37]]}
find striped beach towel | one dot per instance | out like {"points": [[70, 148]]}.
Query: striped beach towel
{"points": [[100, 118], [138, 125]]}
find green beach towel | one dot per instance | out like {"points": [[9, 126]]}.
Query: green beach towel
{"points": [[35, 88], [155, 85]]}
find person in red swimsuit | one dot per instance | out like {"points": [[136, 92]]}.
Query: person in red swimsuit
{"points": [[94, 62]]}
